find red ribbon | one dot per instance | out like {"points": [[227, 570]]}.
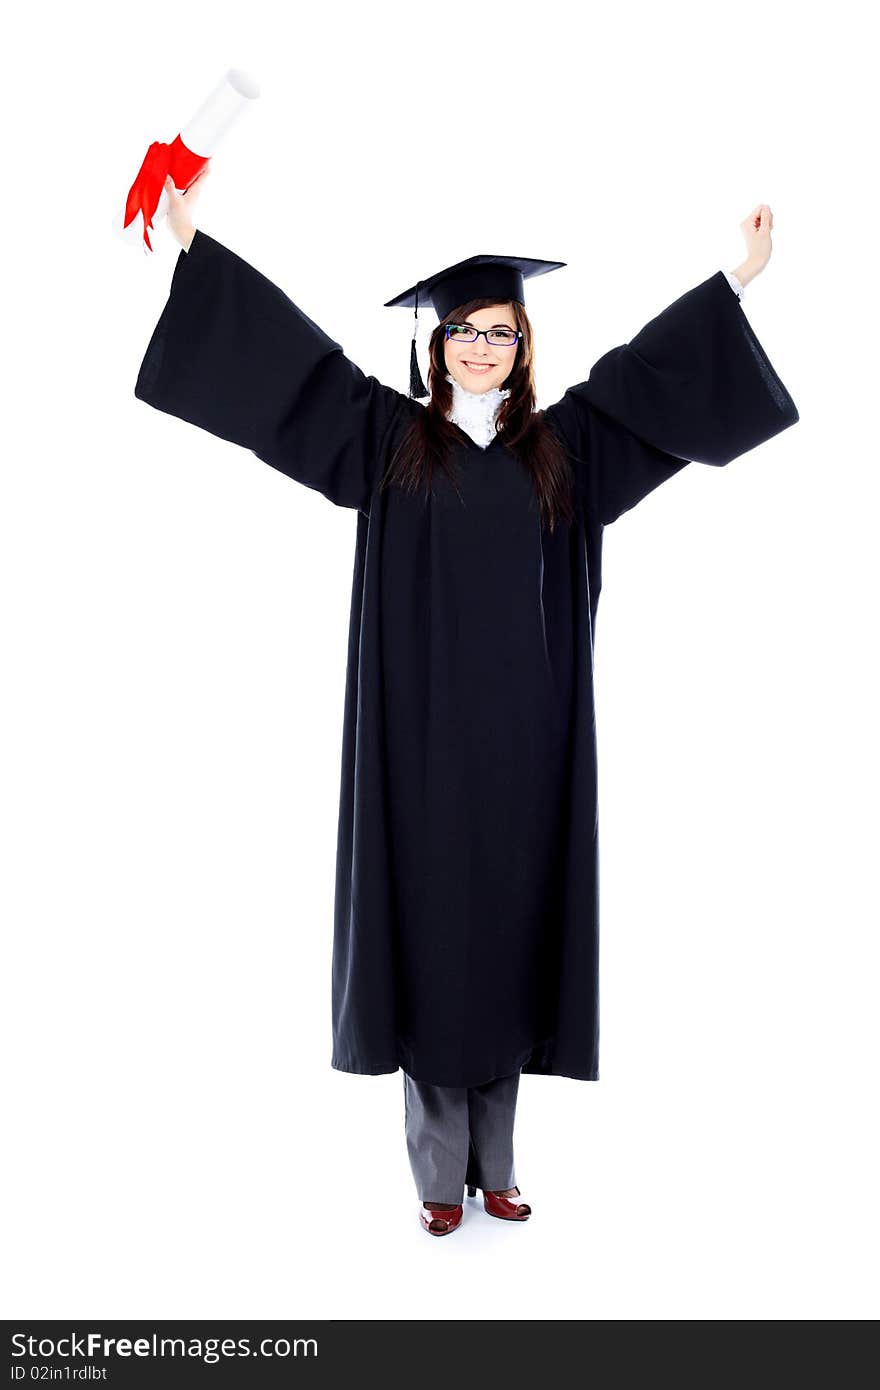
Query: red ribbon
{"points": [[161, 159]]}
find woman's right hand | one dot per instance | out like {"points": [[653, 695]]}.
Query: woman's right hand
{"points": [[180, 208]]}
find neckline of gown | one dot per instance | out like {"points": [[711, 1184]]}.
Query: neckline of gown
{"points": [[476, 408], [469, 439]]}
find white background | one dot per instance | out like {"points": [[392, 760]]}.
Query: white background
{"points": [[174, 634]]}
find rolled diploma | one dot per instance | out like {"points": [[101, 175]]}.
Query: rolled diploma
{"points": [[185, 157]]}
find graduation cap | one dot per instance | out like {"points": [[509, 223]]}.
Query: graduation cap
{"points": [[479, 277]]}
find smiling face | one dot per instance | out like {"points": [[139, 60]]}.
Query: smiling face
{"points": [[481, 365]]}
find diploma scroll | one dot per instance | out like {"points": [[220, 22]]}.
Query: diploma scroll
{"points": [[185, 158]]}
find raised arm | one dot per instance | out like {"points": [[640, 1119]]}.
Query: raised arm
{"points": [[234, 356], [693, 385]]}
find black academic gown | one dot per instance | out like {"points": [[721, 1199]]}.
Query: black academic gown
{"points": [[466, 929]]}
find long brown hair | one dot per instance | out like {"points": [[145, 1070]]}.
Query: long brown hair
{"points": [[427, 442]]}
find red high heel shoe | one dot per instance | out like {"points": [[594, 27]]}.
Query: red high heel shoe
{"points": [[505, 1207], [441, 1223]]}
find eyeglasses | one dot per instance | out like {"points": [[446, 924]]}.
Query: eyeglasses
{"points": [[498, 337]]}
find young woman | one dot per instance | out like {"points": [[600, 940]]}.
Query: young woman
{"points": [[465, 949]]}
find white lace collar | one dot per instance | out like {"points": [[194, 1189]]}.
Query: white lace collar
{"points": [[476, 412]]}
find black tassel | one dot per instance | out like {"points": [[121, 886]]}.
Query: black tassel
{"points": [[417, 387]]}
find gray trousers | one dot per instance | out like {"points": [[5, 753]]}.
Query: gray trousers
{"points": [[459, 1134]]}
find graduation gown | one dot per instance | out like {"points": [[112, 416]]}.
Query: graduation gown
{"points": [[466, 929]]}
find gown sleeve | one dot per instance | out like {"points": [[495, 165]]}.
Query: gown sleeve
{"points": [[233, 355], [693, 385]]}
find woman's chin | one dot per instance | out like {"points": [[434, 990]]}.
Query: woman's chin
{"points": [[475, 381]]}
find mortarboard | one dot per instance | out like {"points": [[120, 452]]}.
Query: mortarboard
{"points": [[479, 277]]}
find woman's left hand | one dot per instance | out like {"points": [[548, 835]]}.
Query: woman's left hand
{"points": [[756, 229]]}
